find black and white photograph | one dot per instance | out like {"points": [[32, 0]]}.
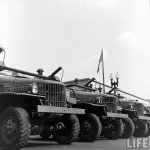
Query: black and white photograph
{"points": [[74, 74]]}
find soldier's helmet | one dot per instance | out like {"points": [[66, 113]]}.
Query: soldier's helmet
{"points": [[40, 71], [76, 81]]}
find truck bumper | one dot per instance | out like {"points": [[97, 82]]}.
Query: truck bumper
{"points": [[144, 118], [59, 110], [116, 115]]}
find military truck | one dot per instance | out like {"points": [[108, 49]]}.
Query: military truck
{"points": [[102, 106], [128, 124], [30, 102], [135, 110], [138, 124]]}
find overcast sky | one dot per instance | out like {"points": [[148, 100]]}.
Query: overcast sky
{"points": [[71, 34]]}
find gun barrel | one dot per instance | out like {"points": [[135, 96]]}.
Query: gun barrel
{"points": [[90, 81], [55, 72], [123, 91]]}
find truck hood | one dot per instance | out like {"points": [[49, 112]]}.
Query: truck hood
{"points": [[18, 80], [84, 94]]}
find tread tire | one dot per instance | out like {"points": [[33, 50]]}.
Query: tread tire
{"points": [[96, 128], [73, 125], [148, 132], [22, 130], [117, 132], [140, 129], [129, 128]]}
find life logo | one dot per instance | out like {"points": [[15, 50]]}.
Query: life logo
{"points": [[138, 143]]}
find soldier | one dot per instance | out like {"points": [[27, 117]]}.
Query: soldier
{"points": [[130, 106], [76, 81], [40, 71]]}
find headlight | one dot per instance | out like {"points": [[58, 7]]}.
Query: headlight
{"points": [[97, 100], [34, 88], [67, 93]]}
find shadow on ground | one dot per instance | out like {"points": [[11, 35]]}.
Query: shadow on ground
{"points": [[40, 142], [37, 142]]}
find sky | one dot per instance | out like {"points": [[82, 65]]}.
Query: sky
{"points": [[71, 33]]}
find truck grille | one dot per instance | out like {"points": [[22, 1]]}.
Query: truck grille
{"points": [[139, 109], [110, 103], [54, 93]]}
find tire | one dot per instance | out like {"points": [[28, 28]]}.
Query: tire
{"points": [[14, 128], [70, 132], [114, 129], [148, 132], [129, 128], [44, 132], [90, 128], [141, 128]]}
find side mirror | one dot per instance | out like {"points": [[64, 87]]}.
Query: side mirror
{"points": [[2, 62], [1, 49]]}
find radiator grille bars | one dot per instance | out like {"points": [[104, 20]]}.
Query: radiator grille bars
{"points": [[54, 94]]}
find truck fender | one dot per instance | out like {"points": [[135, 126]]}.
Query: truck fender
{"points": [[26, 101], [96, 109]]}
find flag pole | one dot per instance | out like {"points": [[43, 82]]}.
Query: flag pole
{"points": [[103, 72]]}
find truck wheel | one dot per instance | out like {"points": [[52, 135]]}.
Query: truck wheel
{"points": [[128, 128], [90, 128], [114, 129], [148, 132], [44, 132], [14, 128], [67, 129], [141, 128]]}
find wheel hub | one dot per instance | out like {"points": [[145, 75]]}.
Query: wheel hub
{"points": [[60, 126], [86, 126], [110, 126], [136, 126], [9, 128]]}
